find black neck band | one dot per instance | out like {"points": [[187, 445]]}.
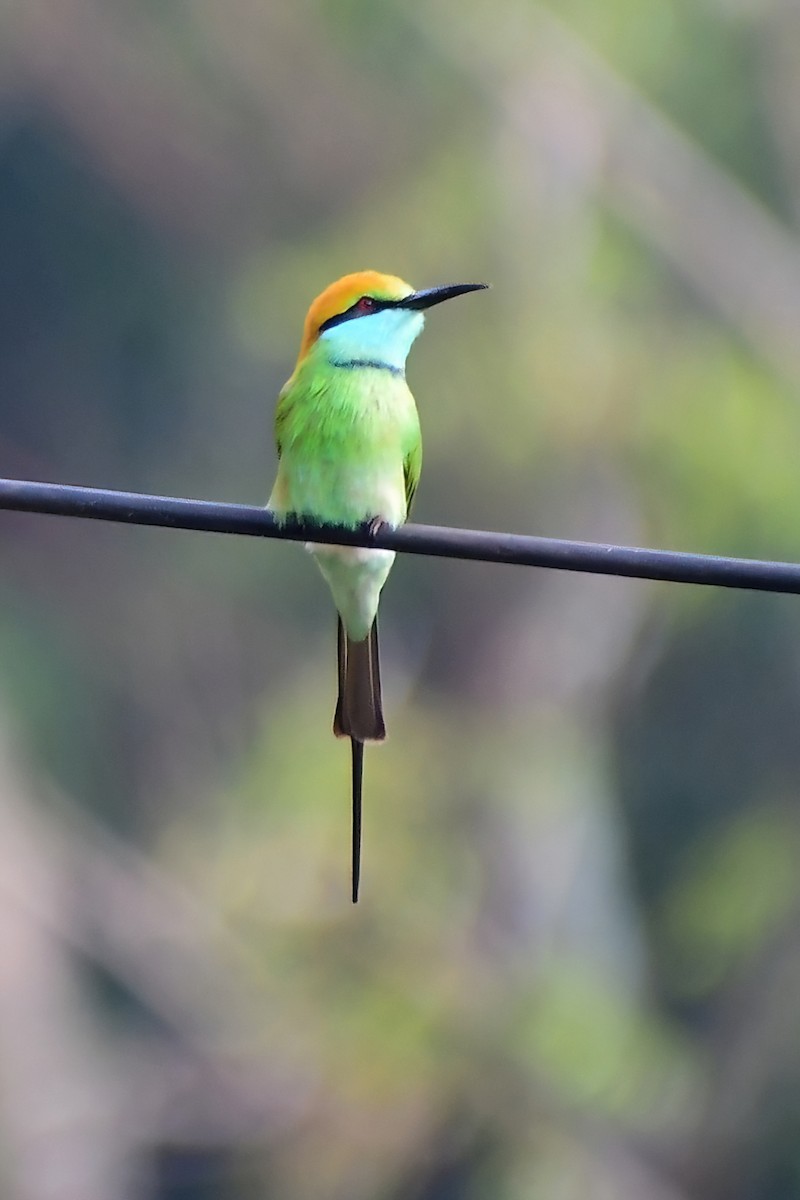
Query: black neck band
{"points": [[370, 364]]}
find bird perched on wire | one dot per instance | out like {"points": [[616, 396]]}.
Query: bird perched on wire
{"points": [[350, 453]]}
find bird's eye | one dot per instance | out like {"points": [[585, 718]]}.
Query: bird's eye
{"points": [[366, 304]]}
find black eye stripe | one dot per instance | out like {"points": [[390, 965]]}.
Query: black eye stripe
{"points": [[354, 311]]}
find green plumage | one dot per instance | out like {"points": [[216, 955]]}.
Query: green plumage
{"points": [[350, 452], [349, 443]]}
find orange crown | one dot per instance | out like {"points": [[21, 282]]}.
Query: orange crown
{"points": [[343, 294]]}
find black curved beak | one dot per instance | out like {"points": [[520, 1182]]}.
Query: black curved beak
{"points": [[435, 295]]}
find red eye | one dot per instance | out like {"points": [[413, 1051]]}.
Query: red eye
{"points": [[366, 304]]}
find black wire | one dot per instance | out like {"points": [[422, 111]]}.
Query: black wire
{"points": [[133, 508]]}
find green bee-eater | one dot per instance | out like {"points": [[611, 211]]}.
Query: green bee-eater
{"points": [[350, 452]]}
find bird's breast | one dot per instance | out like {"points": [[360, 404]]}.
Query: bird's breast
{"points": [[343, 457]]}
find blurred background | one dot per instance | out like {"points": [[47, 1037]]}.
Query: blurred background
{"points": [[575, 968]]}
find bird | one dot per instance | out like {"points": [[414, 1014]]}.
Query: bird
{"points": [[349, 449]]}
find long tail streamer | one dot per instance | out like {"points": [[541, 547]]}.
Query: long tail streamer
{"points": [[358, 774]]}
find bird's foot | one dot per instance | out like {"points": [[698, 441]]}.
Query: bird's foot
{"points": [[376, 526]]}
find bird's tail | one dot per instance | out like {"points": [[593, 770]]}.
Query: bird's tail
{"points": [[359, 716], [358, 772], [359, 712]]}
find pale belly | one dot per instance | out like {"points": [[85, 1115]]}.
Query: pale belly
{"points": [[352, 497], [346, 496], [355, 576]]}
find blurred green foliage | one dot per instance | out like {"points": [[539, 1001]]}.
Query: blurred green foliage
{"points": [[574, 969]]}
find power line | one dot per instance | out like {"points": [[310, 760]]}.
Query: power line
{"points": [[134, 508]]}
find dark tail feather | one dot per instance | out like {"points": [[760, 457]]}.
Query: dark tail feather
{"points": [[359, 716], [359, 712], [358, 774]]}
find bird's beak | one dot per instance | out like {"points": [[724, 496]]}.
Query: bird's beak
{"points": [[435, 295]]}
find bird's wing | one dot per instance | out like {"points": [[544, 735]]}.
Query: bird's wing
{"points": [[282, 414], [412, 465], [279, 497]]}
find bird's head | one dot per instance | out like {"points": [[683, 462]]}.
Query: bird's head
{"points": [[371, 319]]}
